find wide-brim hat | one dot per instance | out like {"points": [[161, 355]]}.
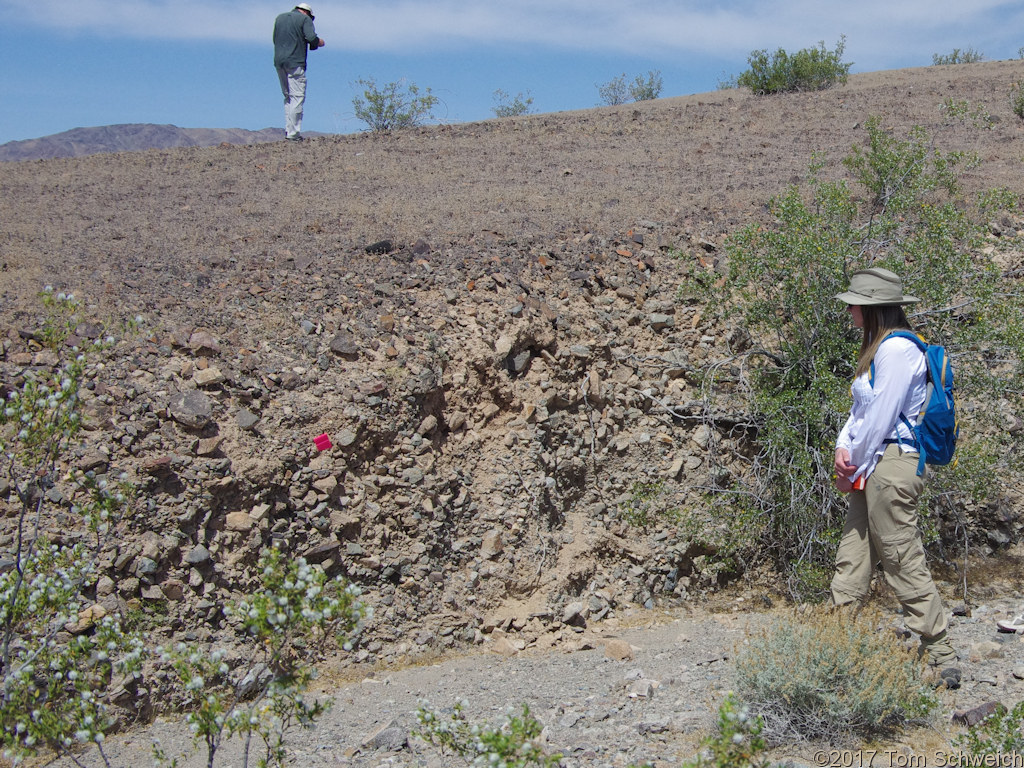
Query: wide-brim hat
{"points": [[305, 7], [875, 286]]}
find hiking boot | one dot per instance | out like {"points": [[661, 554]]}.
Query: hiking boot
{"points": [[296, 137], [1016, 624], [939, 651], [950, 676]]}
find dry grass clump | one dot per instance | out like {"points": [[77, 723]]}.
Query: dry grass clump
{"points": [[831, 675]]}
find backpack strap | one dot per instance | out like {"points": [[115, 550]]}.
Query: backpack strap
{"points": [[913, 442]]}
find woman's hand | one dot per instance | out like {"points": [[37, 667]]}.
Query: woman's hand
{"points": [[843, 466], [844, 471]]}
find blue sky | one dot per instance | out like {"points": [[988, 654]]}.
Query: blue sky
{"points": [[71, 63]]}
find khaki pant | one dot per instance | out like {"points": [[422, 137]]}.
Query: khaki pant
{"points": [[881, 526], [293, 86]]}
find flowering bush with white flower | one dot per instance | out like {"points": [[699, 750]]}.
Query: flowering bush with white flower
{"points": [[513, 745], [290, 618], [60, 657], [738, 743], [52, 686]]}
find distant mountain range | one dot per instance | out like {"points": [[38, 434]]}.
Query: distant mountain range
{"points": [[130, 137]]}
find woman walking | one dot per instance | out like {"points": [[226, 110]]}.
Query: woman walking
{"points": [[876, 462]]}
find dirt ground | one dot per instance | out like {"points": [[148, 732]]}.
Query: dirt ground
{"points": [[142, 230], [555, 237]]}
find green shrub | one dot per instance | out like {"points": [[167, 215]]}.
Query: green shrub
{"points": [[810, 69], [509, 106], [615, 91], [998, 735], [962, 111], [641, 507], [646, 88], [998, 199], [1017, 98], [393, 106], [966, 56], [618, 91], [794, 358], [737, 743], [513, 745], [293, 614], [728, 82], [831, 675], [61, 653]]}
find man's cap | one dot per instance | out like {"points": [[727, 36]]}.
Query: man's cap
{"points": [[875, 286], [305, 7]]}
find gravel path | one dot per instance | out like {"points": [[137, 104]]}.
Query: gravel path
{"points": [[598, 711]]}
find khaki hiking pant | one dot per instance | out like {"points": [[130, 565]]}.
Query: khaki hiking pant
{"points": [[881, 526]]}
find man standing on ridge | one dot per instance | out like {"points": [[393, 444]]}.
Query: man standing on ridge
{"points": [[293, 35]]}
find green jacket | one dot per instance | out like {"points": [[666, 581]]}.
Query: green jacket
{"points": [[293, 32]]}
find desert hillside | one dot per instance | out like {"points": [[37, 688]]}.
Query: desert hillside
{"points": [[485, 319]]}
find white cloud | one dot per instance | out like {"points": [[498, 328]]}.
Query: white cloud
{"points": [[881, 30]]}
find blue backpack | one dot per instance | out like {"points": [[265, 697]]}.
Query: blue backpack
{"points": [[937, 428]]}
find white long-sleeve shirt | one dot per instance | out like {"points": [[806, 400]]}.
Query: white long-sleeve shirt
{"points": [[900, 386]]}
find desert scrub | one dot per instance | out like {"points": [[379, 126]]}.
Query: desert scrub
{"points": [[393, 106], [614, 92], [903, 209], [737, 742], [512, 745], [963, 111], [619, 91], [998, 735], [1017, 98], [59, 652], [293, 615], [641, 507], [966, 56], [831, 675], [646, 88], [809, 69], [507, 105]]}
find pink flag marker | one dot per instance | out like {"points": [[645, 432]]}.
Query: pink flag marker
{"points": [[322, 442]]}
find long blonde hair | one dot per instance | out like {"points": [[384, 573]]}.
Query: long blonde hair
{"points": [[879, 321]]}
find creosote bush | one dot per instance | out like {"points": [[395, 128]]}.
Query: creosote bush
{"points": [[795, 348], [966, 56], [809, 69], [291, 617], [963, 111], [1017, 98], [619, 91], [831, 675], [393, 106], [511, 106], [646, 88]]}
